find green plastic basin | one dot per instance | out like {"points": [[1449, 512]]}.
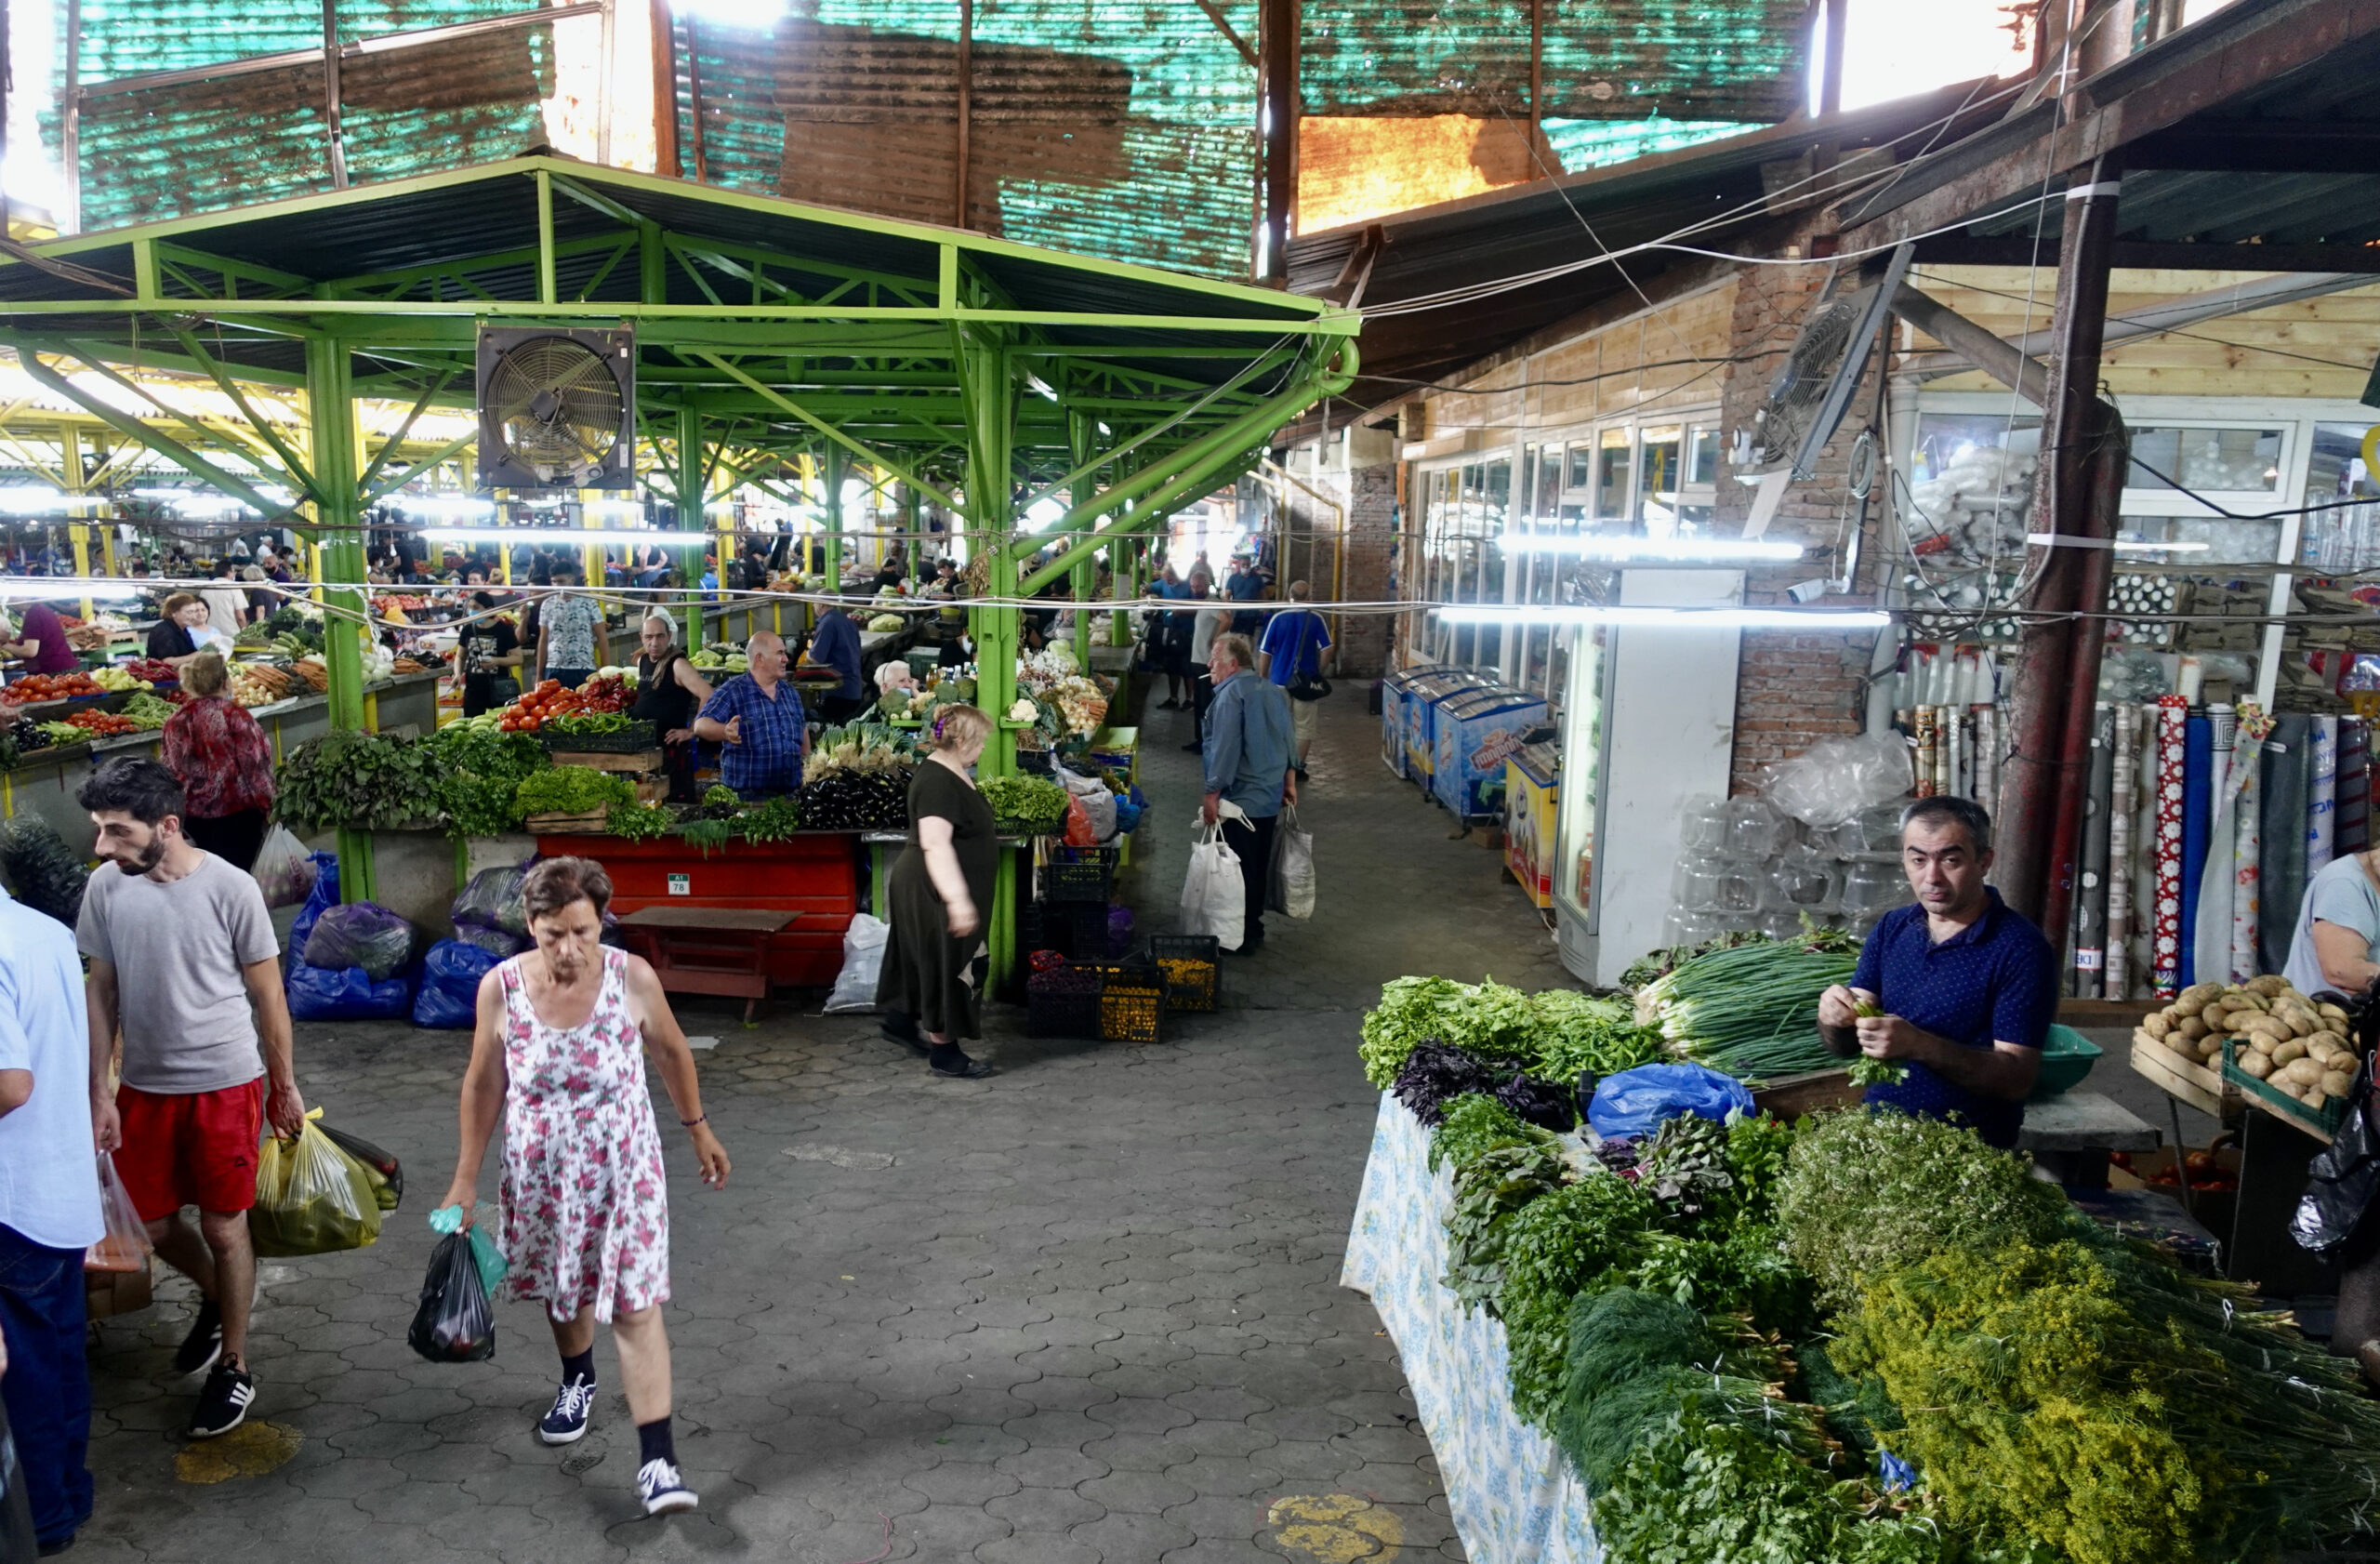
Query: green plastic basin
{"points": [[2067, 1057]]}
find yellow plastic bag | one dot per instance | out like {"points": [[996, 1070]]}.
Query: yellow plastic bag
{"points": [[312, 1197]]}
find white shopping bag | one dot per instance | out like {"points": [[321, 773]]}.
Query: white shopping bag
{"points": [[1292, 883], [1214, 897], [863, 962]]}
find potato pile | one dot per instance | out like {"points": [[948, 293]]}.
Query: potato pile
{"points": [[2286, 1041]]}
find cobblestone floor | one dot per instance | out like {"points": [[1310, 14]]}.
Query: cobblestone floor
{"points": [[1086, 1310]]}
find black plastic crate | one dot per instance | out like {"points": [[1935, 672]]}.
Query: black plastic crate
{"points": [[1078, 874], [1075, 929], [1192, 969], [1064, 1002], [1131, 1002]]}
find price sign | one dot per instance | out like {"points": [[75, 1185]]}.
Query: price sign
{"points": [[681, 885]]}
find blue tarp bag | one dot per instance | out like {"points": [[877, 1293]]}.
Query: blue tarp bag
{"points": [[346, 994], [1636, 1102], [450, 985], [320, 899]]}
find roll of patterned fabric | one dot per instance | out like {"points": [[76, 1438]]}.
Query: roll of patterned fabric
{"points": [[2173, 721], [2322, 795], [2287, 767], [2350, 831], [2091, 865], [2198, 768], [2247, 838], [1987, 757], [2120, 776], [1929, 740]]}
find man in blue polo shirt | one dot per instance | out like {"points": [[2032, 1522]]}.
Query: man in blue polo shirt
{"points": [[1966, 989]]}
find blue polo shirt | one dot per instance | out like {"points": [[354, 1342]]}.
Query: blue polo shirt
{"points": [[1995, 980]]}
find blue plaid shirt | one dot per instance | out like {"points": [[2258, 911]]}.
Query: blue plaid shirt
{"points": [[769, 760]]}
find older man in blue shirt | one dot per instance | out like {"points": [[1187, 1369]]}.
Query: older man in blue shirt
{"points": [[758, 720], [1248, 748], [1957, 990], [50, 1215]]}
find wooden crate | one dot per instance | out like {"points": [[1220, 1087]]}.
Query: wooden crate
{"points": [[585, 822], [1794, 1095], [633, 762], [2201, 1086]]}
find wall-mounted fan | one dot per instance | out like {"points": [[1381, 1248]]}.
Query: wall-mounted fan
{"points": [[557, 408], [1811, 388]]}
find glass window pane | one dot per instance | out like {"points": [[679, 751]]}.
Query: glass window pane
{"points": [[2337, 471], [2231, 460], [1657, 503], [1703, 454], [1582, 468], [1611, 474]]}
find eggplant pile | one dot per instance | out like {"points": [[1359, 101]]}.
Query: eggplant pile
{"points": [[856, 801]]}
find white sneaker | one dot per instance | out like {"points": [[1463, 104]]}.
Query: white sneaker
{"points": [[658, 1484]]}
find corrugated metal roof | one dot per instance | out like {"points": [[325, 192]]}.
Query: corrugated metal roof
{"points": [[1732, 59], [174, 150], [1122, 128]]}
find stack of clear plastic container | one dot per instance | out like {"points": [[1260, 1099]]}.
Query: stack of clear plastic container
{"points": [[1744, 867]]}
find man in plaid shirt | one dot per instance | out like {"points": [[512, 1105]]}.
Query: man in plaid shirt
{"points": [[757, 720]]}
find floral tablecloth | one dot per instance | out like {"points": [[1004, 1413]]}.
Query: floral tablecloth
{"points": [[1514, 1496]]}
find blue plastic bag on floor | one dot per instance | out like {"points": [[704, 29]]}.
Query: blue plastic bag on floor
{"points": [[320, 899], [1636, 1102], [347, 994], [450, 985]]}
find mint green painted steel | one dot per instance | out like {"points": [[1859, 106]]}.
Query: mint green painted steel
{"points": [[339, 555], [833, 468], [688, 474]]}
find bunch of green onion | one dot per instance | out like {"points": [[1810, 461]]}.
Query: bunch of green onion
{"points": [[1750, 1011]]}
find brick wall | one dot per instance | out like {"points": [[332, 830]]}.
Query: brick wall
{"points": [[1794, 689]]}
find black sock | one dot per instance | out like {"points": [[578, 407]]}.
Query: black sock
{"points": [[579, 1368], [653, 1443]]}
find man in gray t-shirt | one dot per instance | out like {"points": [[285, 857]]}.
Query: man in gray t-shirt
{"points": [[185, 966]]}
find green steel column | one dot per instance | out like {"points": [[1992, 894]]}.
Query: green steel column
{"points": [[988, 398], [690, 515], [1086, 571], [338, 563], [834, 466]]}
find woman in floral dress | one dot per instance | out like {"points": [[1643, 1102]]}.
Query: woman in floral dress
{"points": [[562, 1033]]}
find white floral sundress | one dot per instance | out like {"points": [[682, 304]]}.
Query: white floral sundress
{"points": [[583, 1199]]}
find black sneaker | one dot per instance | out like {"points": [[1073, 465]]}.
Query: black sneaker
{"points": [[205, 1343], [567, 1421], [222, 1403]]}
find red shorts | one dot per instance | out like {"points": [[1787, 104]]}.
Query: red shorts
{"points": [[190, 1149]]}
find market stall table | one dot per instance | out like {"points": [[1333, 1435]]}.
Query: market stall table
{"points": [[709, 949], [2070, 1134]]}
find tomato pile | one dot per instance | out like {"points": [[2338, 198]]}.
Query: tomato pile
{"points": [[529, 713], [51, 686], [103, 723]]}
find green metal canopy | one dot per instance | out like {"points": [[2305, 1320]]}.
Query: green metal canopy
{"points": [[985, 375]]}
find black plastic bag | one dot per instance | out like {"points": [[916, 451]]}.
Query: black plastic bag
{"points": [[388, 1176], [454, 1323], [2342, 1179], [17, 1544]]}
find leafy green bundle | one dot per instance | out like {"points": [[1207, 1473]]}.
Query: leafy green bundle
{"points": [[1033, 804], [368, 781], [1751, 1010], [571, 790], [1486, 1019], [480, 772], [45, 874]]}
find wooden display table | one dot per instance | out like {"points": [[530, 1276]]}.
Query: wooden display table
{"points": [[709, 949], [811, 880]]}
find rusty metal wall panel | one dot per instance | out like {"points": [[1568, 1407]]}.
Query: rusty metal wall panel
{"points": [[1116, 127], [1698, 60], [208, 145]]}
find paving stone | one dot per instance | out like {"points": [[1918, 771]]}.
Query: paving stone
{"points": [[1085, 1312]]}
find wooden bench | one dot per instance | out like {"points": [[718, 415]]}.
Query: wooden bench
{"points": [[709, 949]]}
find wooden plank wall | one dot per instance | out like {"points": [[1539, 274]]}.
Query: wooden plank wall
{"points": [[2315, 348]]}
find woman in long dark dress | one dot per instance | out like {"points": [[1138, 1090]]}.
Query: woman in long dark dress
{"points": [[937, 894]]}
